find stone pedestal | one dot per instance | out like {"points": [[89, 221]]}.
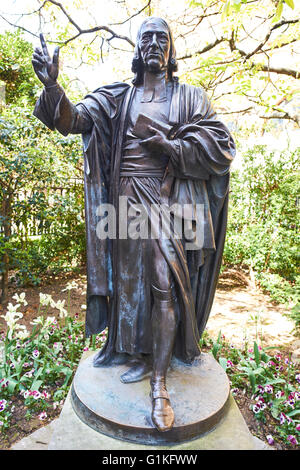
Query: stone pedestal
{"points": [[199, 395], [71, 433]]}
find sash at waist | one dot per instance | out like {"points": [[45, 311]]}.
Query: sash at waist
{"points": [[141, 165], [142, 173]]}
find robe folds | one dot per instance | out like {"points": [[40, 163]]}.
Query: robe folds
{"points": [[197, 173]]}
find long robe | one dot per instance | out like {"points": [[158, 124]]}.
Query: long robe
{"points": [[197, 173]]}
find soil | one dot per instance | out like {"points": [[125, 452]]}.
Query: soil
{"points": [[240, 310]]}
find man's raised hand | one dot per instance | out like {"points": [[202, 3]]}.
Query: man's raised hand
{"points": [[45, 68]]}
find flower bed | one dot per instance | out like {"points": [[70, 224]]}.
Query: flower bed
{"points": [[37, 368], [266, 388]]}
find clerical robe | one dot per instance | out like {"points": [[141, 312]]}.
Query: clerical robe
{"points": [[197, 173]]}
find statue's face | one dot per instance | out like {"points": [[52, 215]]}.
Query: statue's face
{"points": [[155, 46]]}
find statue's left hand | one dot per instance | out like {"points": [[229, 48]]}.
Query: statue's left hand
{"points": [[158, 142]]}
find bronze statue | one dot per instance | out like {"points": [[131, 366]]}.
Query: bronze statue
{"points": [[155, 142]]}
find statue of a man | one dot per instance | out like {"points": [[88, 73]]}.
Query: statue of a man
{"points": [[154, 143]]}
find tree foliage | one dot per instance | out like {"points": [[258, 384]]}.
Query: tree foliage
{"points": [[262, 229], [245, 53], [40, 184]]}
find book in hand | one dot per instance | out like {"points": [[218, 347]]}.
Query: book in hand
{"points": [[141, 127]]}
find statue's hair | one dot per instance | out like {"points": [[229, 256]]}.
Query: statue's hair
{"points": [[137, 61]]}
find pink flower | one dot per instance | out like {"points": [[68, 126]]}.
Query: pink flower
{"points": [[42, 416], [292, 440], [229, 363], [36, 395]]}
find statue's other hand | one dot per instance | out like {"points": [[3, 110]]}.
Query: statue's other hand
{"points": [[158, 142], [45, 68]]}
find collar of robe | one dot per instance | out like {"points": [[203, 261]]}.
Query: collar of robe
{"points": [[154, 88]]}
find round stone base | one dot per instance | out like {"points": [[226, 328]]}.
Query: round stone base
{"points": [[199, 395]]}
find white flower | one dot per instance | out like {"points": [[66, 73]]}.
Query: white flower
{"points": [[70, 286], [11, 318], [83, 307], [22, 334], [46, 299], [49, 321], [60, 306], [20, 298], [37, 321]]}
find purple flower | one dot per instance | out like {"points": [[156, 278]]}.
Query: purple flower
{"points": [[282, 418], [260, 388], [292, 440], [270, 439], [260, 399], [291, 403], [279, 394], [256, 408], [36, 353], [2, 404], [297, 377], [268, 389]]}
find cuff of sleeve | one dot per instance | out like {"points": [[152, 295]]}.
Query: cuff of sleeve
{"points": [[174, 150]]}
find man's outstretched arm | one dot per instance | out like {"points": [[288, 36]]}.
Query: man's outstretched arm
{"points": [[53, 107]]}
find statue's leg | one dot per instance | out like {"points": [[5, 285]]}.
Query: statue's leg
{"points": [[164, 326]]}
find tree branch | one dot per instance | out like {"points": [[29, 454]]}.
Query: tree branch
{"points": [[208, 47]]}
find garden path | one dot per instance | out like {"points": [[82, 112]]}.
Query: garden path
{"points": [[240, 309]]}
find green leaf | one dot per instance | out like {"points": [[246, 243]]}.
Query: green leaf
{"points": [[223, 362], [36, 385], [11, 385], [278, 12], [290, 3], [226, 10], [256, 354], [293, 413], [252, 381]]}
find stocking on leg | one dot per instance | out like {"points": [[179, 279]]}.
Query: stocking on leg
{"points": [[164, 330]]}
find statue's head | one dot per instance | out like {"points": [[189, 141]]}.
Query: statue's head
{"points": [[154, 49]]}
